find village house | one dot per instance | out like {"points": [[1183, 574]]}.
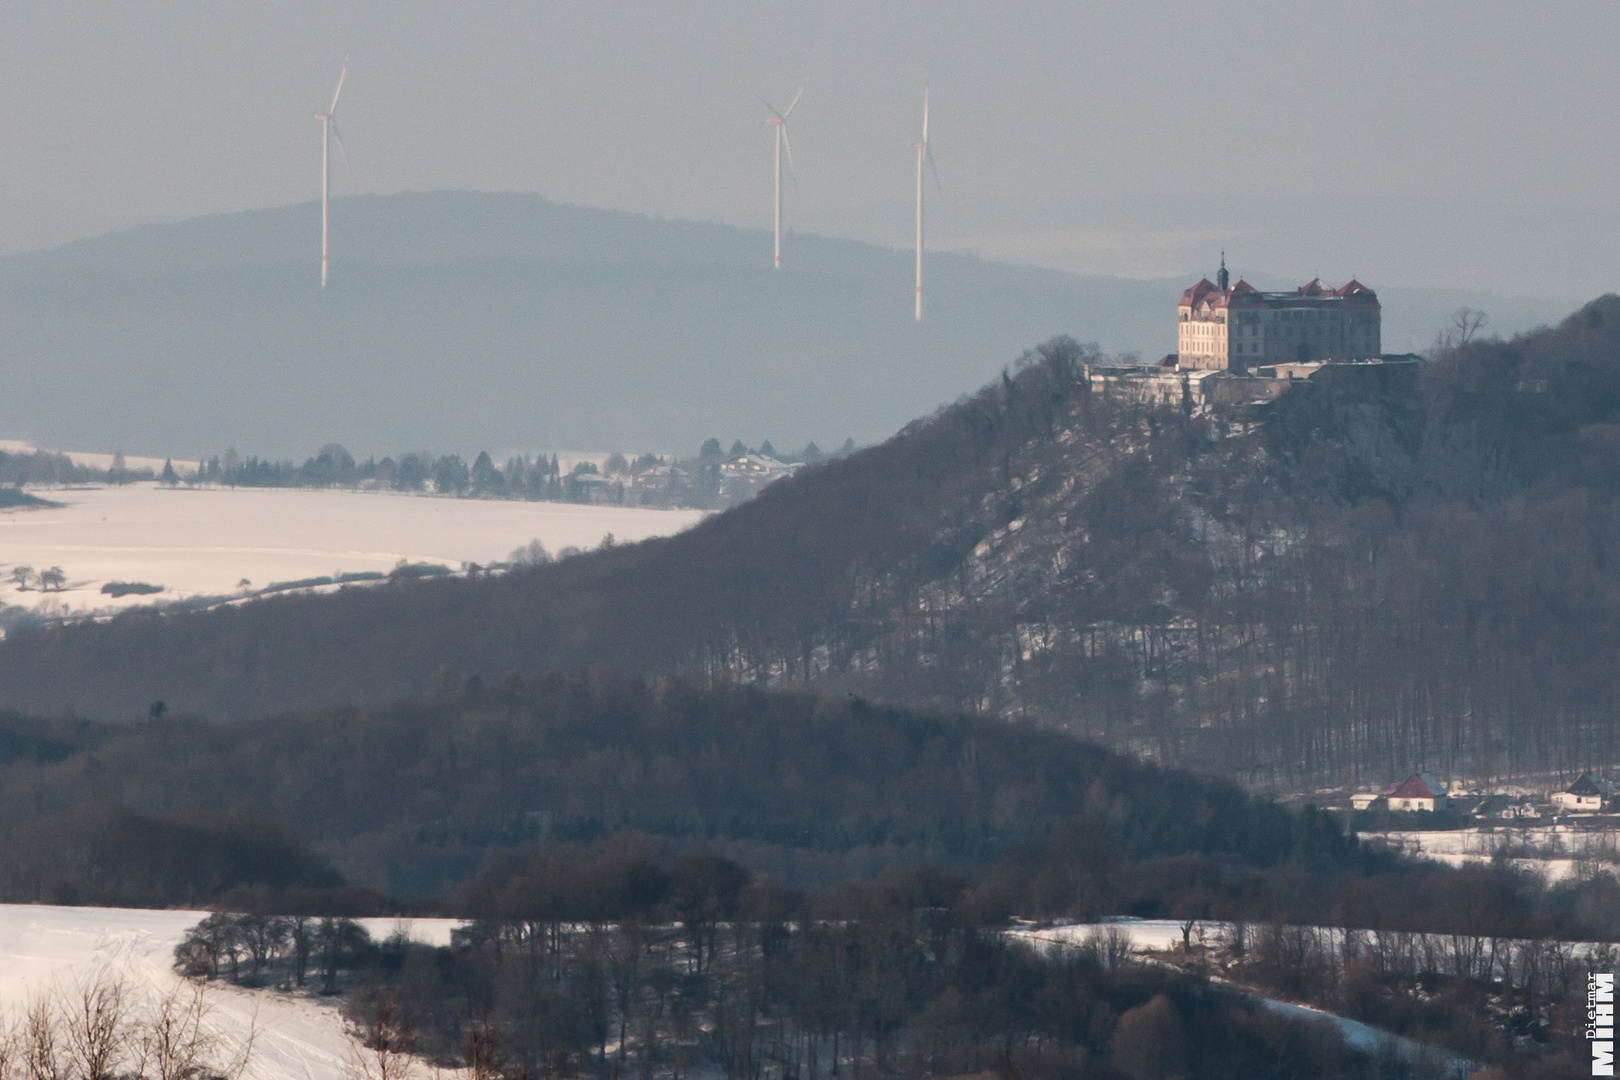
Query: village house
{"points": [[1420, 791], [1505, 807], [758, 467], [1585, 795], [743, 477]]}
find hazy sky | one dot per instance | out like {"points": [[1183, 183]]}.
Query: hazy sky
{"points": [[1452, 144]]}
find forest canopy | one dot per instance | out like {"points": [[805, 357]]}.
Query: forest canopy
{"points": [[411, 798]]}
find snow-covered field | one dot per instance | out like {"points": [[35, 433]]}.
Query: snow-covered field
{"points": [[48, 949], [205, 541]]}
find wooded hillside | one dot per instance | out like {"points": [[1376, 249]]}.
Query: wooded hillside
{"points": [[1383, 570], [412, 798]]}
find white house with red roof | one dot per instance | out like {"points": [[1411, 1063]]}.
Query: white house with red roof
{"points": [[1420, 791], [1237, 327]]}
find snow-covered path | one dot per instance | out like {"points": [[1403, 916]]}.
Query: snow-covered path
{"points": [[44, 949]]}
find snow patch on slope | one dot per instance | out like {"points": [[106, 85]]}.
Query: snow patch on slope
{"points": [[44, 949]]}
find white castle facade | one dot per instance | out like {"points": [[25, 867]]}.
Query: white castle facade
{"points": [[1237, 328]]}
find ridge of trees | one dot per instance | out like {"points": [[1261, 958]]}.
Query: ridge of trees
{"points": [[1387, 569], [412, 797], [100, 854], [465, 790]]}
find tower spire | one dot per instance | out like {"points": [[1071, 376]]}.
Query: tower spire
{"points": [[1223, 277]]}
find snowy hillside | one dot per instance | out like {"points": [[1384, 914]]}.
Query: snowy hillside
{"points": [[48, 949], [207, 541]]}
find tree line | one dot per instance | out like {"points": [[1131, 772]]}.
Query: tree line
{"points": [[46, 467], [642, 480], [639, 480], [610, 961], [254, 948]]}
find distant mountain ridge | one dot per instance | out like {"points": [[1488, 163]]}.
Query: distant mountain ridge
{"points": [[460, 321]]}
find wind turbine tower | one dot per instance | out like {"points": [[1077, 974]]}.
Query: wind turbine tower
{"points": [[329, 132], [922, 153], [779, 121]]}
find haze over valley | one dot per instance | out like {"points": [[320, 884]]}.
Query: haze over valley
{"points": [[465, 321]]}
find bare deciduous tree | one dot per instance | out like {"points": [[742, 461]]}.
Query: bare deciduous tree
{"points": [[263, 936], [100, 1031], [1466, 323], [483, 1049], [1109, 946], [301, 933], [177, 1043], [41, 1050], [95, 1027], [386, 1038]]}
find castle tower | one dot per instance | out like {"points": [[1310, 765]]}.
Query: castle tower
{"points": [[1222, 279]]}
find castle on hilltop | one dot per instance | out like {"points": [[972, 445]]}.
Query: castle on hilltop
{"points": [[1238, 345], [1237, 328]]}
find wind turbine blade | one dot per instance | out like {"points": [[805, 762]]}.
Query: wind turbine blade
{"points": [[792, 103], [338, 139], [771, 107], [933, 170], [925, 114], [341, 76]]}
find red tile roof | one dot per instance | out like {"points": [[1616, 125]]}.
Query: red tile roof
{"points": [[1414, 787], [1193, 295], [1311, 294]]}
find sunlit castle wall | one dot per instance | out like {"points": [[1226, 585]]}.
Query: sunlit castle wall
{"points": [[1237, 327]]}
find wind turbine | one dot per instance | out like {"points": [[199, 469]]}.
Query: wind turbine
{"points": [[779, 120], [329, 132], [922, 152]]}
